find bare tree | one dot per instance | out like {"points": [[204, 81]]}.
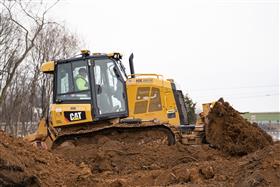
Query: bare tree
{"points": [[18, 37], [29, 94], [27, 39], [10, 41], [55, 42], [12, 107]]}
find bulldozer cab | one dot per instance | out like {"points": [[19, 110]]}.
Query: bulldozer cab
{"points": [[96, 80]]}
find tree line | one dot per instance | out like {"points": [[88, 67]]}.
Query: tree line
{"points": [[27, 39]]}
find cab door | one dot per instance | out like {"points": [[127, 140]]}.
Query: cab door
{"points": [[109, 90]]}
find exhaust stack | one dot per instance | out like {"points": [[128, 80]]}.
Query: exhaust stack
{"points": [[131, 65]]}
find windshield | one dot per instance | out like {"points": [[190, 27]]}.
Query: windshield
{"points": [[72, 81]]}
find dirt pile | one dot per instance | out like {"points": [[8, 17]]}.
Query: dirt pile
{"points": [[114, 161], [231, 133], [23, 165]]}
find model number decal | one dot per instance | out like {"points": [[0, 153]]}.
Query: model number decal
{"points": [[75, 116]]}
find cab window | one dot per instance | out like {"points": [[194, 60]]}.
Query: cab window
{"points": [[72, 81]]}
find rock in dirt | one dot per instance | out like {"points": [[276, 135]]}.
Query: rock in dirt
{"points": [[207, 172], [227, 130]]}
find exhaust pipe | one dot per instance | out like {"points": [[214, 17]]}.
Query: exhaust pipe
{"points": [[131, 65]]}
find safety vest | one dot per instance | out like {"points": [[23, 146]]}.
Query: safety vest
{"points": [[81, 83]]}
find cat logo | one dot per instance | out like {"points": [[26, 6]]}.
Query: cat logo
{"points": [[75, 116]]}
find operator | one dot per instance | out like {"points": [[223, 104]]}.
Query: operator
{"points": [[80, 80]]}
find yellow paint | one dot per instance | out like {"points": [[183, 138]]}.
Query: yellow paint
{"points": [[206, 107], [58, 118], [85, 52], [146, 75], [115, 55], [167, 98], [40, 134], [47, 67]]}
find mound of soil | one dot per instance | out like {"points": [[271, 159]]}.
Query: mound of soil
{"points": [[227, 130], [129, 159], [115, 161], [21, 164]]}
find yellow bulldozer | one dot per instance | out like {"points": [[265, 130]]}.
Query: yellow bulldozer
{"points": [[93, 94]]}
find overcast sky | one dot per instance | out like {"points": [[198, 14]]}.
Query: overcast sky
{"points": [[212, 49]]}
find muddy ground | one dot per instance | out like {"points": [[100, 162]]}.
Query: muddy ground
{"points": [[119, 159]]}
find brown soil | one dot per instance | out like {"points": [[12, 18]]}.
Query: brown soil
{"points": [[21, 164], [120, 159], [114, 161], [138, 162], [231, 133]]}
